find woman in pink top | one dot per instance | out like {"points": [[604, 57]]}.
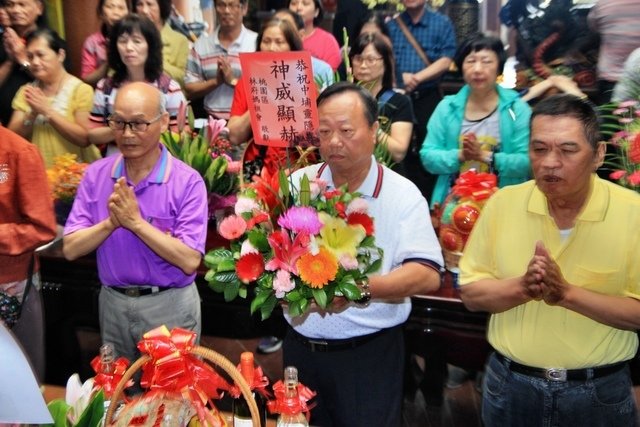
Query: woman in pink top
{"points": [[94, 50], [315, 40]]}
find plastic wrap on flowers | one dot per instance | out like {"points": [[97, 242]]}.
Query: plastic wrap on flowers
{"points": [[461, 210]]}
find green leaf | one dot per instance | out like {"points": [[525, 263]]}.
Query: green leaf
{"points": [[350, 291], [368, 242], [227, 265], [295, 308], [284, 184], [209, 275], [320, 296], [242, 293], [58, 409], [93, 413], [216, 256], [305, 191], [267, 308], [191, 118], [293, 295], [231, 291], [217, 286], [259, 240], [375, 266], [259, 300], [225, 276]]}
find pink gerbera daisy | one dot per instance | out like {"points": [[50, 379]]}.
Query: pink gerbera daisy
{"points": [[232, 227]]}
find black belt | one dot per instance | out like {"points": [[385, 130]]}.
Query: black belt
{"points": [[139, 291], [325, 345], [559, 374]]}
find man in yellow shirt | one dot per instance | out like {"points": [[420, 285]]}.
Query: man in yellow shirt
{"points": [[555, 262]]}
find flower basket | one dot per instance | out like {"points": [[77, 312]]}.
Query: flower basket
{"points": [[295, 242], [186, 351], [460, 212]]}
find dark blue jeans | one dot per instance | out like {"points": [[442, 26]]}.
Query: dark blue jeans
{"points": [[512, 399]]}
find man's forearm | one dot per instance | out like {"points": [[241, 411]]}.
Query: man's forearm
{"points": [[197, 90], [5, 70], [411, 279], [616, 311], [87, 240], [435, 70], [494, 295]]}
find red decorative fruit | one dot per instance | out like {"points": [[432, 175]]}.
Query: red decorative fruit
{"points": [[450, 239], [465, 216]]}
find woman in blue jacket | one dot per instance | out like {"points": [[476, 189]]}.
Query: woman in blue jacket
{"points": [[483, 126]]}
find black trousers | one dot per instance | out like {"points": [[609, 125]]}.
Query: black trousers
{"points": [[424, 102], [355, 387]]}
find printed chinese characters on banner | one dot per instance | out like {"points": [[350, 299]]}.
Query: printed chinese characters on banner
{"points": [[281, 95]]}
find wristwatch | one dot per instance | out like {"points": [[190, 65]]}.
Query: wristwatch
{"points": [[365, 299]]}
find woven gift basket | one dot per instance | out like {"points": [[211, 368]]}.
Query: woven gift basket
{"points": [[207, 354]]}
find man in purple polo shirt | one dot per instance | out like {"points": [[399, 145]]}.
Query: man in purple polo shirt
{"points": [[145, 213]]}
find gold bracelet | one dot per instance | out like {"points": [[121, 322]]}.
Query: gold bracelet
{"points": [[365, 293]]}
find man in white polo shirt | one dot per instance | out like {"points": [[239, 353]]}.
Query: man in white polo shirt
{"points": [[352, 354]]}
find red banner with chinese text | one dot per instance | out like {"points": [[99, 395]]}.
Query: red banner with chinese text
{"points": [[281, 95]]}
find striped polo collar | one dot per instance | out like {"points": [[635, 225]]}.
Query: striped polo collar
{"points": [[159, 174]]}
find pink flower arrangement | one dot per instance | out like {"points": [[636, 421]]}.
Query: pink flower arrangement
{"points": [[624, 161], [299, 243]]}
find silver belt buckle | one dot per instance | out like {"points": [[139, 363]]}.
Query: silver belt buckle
{"points": [[132, 292], [320, 346], [555, 374]]}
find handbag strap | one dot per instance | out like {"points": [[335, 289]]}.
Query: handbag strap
{"points": [[29, 283], [412, 40]]}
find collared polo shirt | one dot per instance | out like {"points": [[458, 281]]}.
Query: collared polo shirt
{"points": [[600, 254], [172, 198], [434, 32], [402, 229], [203, 65]]}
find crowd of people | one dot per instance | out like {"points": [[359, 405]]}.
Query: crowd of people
{"points": [[137, 71]]}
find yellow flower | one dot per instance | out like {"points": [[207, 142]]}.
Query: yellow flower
{"points": [[339, 237], [65, 176], [317, 270]]}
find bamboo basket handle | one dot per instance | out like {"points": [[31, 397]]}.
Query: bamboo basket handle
{"points": [[207, 354]]}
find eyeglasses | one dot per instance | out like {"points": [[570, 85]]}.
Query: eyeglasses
{"points": [[367, 60], [228, 6], [137, 126]]}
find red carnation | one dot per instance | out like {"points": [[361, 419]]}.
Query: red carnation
{"points": [[249, 267], [634, 149], [340, 208], [362, 219], [329, 194]]}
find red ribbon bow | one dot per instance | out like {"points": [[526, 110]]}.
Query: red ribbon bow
{"points": [[476, 186], [173, 368], [259, 384], [109, 381], [288, 405]]}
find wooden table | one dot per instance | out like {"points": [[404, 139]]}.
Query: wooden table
{"points": [[442, 330]]}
